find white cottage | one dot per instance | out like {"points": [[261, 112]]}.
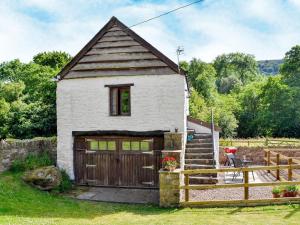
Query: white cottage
{"points": [[115, 101]]}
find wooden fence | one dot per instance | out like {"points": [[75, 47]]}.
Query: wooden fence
{"points": [[273, 157], [245, 185], [267, 142]]}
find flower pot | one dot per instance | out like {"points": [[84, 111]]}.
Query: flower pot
{"points": [[277, 195], [170, 168], [290, 193]]}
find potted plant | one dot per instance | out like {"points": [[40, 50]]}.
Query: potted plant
{"points": [[276, 192], [169, 163], [290, 191]]}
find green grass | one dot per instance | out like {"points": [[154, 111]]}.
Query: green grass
{"points": [[261, 142], [21, 204]]}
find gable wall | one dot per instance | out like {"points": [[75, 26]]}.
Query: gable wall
{"points": [[158, 102]]}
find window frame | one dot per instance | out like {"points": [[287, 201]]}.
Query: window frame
{"points": [[120, 88]]}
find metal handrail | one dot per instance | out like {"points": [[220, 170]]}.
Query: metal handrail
{"points": [[213, 136]]}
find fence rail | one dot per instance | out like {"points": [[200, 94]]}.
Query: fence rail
{"points": [[266, 142], [245, 185]]}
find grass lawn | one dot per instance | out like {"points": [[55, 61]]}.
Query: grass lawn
{"points": [[21, 204]]}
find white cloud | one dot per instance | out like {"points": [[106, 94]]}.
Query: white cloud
{"points": [[266, 28]]}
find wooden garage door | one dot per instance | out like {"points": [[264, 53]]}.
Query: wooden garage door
{"points": [[118, 161]]}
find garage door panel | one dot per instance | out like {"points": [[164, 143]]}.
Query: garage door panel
{"points": [[124, 161]]}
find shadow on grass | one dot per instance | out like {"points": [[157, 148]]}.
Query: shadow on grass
{"points": [[296, 208], [19, 199]]}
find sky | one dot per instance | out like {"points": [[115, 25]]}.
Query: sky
{"points": [[266, 29]]}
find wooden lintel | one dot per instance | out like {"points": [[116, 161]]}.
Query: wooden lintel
{"points": [[118, 85]]}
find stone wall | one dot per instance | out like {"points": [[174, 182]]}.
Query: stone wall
{"points": [[169, 188], [174, 146], [256, 154], [19, 149]]}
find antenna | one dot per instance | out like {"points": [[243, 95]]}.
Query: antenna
{"points": [[179, 51]]}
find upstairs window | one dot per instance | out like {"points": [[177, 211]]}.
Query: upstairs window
{"points": [[119, 99]]}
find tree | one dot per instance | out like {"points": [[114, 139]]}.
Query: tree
{"points": [[290, 68], [202, 77], [28, 95], [279, 110], [242, 67], [4, 110], [248, 114], [56, 59]]}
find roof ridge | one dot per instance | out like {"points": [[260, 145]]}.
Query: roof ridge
{"points": [[112, 22]]}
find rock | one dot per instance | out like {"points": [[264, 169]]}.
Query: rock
{"points": [[44, 178]]}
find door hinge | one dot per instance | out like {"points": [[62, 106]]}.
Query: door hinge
{"points": [[148, 167], [148, 183], [149, 153], [88, 165], [89, 152]]}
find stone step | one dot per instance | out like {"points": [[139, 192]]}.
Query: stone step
{"points": [[203, 180], [203, 142], [199, 155], [197, 166], [202, 135], [190, 131], [199, 161], [198, 150], [198, 145]]}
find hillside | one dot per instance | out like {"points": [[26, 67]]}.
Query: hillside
{"points": [[269, 67]]}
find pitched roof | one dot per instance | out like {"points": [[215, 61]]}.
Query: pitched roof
{"points": [[117, 50]]}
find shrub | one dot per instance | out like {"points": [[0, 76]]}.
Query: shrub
{"points": [[32, 161], [66, 183], [277, 190], [291, 188]]}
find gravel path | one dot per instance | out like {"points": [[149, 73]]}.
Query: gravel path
{"points": [[236, 193]]}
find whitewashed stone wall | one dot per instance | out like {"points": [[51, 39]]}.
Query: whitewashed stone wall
{"points": [[157, 103]]}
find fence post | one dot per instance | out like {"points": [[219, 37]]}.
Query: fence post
{"points": [[290, 170], [186, 191], [246, 186], [277, 163], [267, 142], [268, 159]]}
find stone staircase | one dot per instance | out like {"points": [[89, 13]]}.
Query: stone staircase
{"points": [[199, 155]]}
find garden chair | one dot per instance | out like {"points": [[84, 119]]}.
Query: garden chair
{"points": [[238, 163], [229, 159]]}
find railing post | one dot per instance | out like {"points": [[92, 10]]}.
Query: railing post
{"points": [[268, 159], [246, 186], [277, 163], [265, 157], [290, 170], [186, 184]]}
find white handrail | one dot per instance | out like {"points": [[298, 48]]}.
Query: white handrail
{"points": [[213, 135]]}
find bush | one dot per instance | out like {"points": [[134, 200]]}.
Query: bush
{"points": [[66, 183], [32, 161]]}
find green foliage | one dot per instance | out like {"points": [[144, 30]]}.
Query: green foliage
{"points": [[291, 66], [28, 94], [235, 69], [202, 76], [291, 188], [277, 190], [55, 60], [32, 161], [66, 183]]}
